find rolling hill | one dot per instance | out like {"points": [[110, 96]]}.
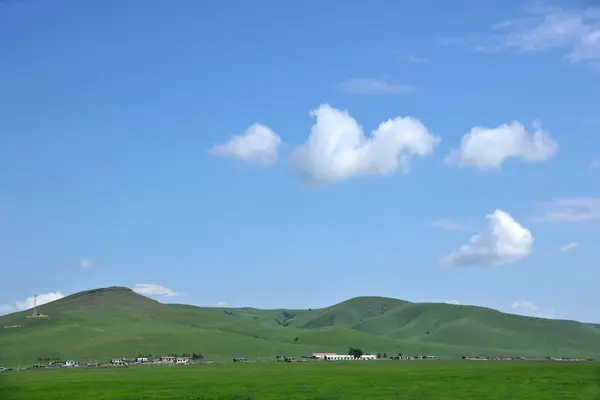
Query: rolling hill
{"points": [[114, 322]]}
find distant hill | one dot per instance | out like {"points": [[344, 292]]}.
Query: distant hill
{"points": [[114, 322]]}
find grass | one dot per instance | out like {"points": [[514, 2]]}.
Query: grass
{"points": [[384, 380], [109, 323]]}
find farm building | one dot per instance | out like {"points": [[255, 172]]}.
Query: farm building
{"points": [[339, 357], [368, 357], [322, 355], [168, 359], [117, 361], [141, 359], [181, 360]]}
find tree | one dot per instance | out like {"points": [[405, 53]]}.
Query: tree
{"points": [[355, 352], [384, 355], [378, 355], [399, 354]]}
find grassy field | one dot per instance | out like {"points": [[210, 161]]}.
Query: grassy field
{"points": [[115, 322], [384, 380]]}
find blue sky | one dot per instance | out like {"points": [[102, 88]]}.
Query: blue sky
{"points": [[232, 152]]}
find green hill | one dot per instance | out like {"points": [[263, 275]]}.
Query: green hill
{"points": [[116, 322]]}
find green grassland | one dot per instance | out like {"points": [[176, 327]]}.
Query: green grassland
{"points": [[383, 380], [115, 322]]}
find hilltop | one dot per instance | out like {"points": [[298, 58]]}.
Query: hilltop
{"points": [[117, 322]]}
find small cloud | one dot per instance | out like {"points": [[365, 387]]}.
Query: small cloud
{"points": [[28, 303], [447, 224], [595, 164], [455, 302], [222, 304], [590, 122], [568, 247], [258, 145], [575, 209], [504, 242], [338, 149], [488, 148], [524, 307], [413, 59], [153, 289], [85, 263], [547, 28], [374, 86]]}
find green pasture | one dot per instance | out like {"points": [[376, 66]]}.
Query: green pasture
{"points": [[383, 380]]}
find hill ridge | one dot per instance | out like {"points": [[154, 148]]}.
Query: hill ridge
{"points": [[114, 321]]}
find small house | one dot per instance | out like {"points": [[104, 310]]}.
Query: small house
{"points": [[181, 360], [168, 359], [141, 360]]}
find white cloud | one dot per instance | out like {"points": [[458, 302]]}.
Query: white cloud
{"points": [[258, 144], [576, 33], [455, 302], [222, 304], [413, 59], [568, 247], [28, 303], [595, 164], [337, 148], [447, 224], [504, 242], [575, 209], [487, 148], [525, 307], [153, 289], [374, 86], [85, 263]]}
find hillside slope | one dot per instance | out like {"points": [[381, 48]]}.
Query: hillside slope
{"points": [[116, 322]]}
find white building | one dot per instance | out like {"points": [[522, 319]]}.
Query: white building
{"points": [[339, 357], [368, 357], [141, 359], [181, 360], [117, 361]]}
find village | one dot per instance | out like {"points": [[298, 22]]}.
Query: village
{"points": [[187, 359]]}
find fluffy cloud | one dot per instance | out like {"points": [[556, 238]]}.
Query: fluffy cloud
{"points": [[568, 247], [28, 303], [258, 144], [574, 209], [447, 224], [153, 289], [455, 302], [85, 263], [505, 241], [487, 148], [337, 148], [577, 33], [374, 86], [525, 307]]}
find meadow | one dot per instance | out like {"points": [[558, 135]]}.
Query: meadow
{"points": [[384, 380]]}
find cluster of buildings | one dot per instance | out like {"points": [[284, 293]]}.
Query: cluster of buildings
{"points": [[522, 358], [154, 360]]}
